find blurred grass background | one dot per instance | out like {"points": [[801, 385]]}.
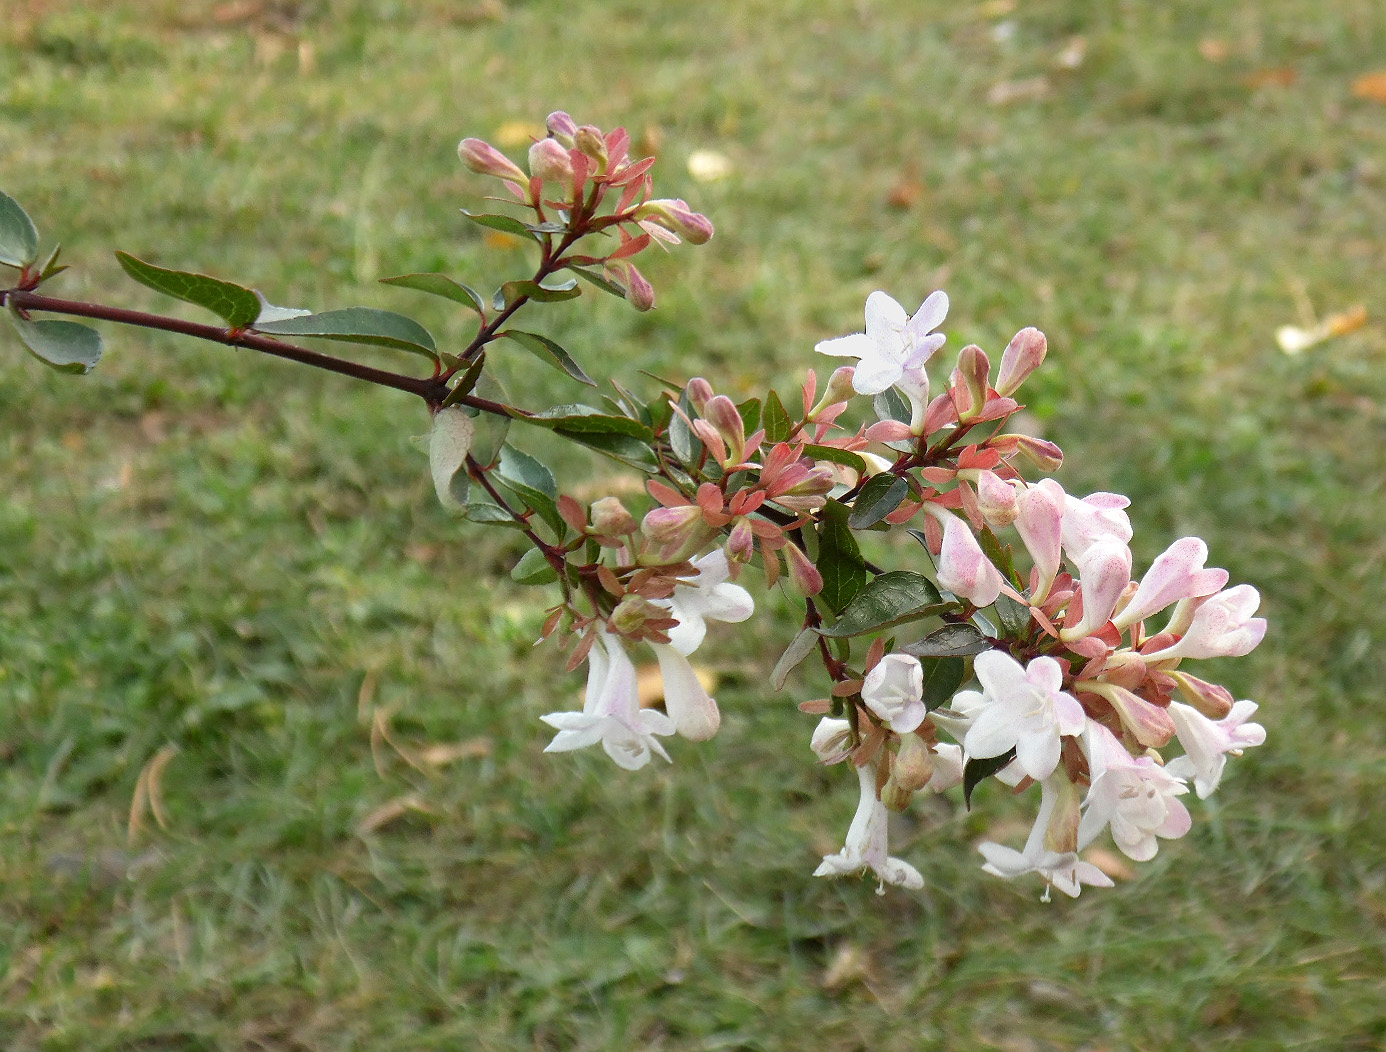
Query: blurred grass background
{"points": [[245, 561]]}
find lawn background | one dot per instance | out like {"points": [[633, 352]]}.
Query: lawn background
{"points": [[204, 549]]}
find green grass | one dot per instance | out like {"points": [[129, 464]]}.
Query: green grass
{"points": [[234, 557]]}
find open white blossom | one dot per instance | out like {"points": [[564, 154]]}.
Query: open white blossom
{"points": [[1020, 708], [709, 597], [866, 846], [1207, 743], [893, 343]]}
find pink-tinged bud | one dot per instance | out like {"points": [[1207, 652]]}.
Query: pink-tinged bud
{"points": [[674, 215], [838, 392], [1148, 723], [741, 542], [803, 575], [611, 519], [1021, 357], [674, 534], [561, 127], [633, 611], [1105, 571], [483, 158], [975, 370], [639, 292], [1212, 699], [963, 567], [996, 499], [549, 161], [1039, 521], [591, 142], [699, 392], [721, 412], [914, 763], [1044, 454]]}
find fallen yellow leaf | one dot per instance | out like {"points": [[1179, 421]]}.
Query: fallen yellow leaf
{"points": [[1371, 86]]}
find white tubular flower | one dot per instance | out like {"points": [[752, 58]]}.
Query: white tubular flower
{"points": [[1135, 796], [710, 597], [1105, 571], [963, 568], [832, 740], [1221, 626], [1177, 573], [1097, 517], [1020, 708], [1207, 743], [1060, 869], [894, 691], [866, 846], [1039, 516], [611, 713], [892, 343], [692, 709]]}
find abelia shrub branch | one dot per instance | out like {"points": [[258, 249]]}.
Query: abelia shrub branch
{"points": [[1007, 638]]}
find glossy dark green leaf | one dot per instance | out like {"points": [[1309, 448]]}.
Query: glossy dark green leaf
{"points": [[750, 416], [381, 328], [1001, 556], [503, 223], [469, 379], [513, 291], [839, 559], [235, 304], [834, 455], [62, 345], [586, 420], [488, 513], [880, 496], [532, 482], [546, 350], [682, 439], [891, 599], [439, 285], [598, 281], [19, 237], [533, 569], [628, 449], [976, 771], [890, 404], [950, 641], [942, 678], [775, 419], [1014, 617]]}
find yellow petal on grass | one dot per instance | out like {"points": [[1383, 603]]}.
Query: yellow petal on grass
{"points": [[1110, 863], [1294, 339], [1371, 86], [513, 134]]}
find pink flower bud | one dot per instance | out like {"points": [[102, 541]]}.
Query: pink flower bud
{"points": [[1021, 357], [741, 542], [699, 391], [1148, 723], [549, 161], [803, 575], [481, 157], [838, 392], [674, 215], [963, 567], [673, 534], [996, 499], [590, 141], [721, 412], [975, 370], [561, 127], [611, 519], [639, 292], [1211, 699], [1039, 521], [1044, 454]]}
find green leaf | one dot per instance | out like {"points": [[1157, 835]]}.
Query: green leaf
{"points": [[628, 449], [950, 641], [1001, 556], [533, 568], [546, 350], [891, 599], [1014, 617], [799, 648], [682, 438], [464, 386], [235, 304], [976, 771], [18, 236], [505, 224], [880, 496], [750, 416], [836, 456], [839, 559], [890, 404], [63, 345], [584, 419], [513, 291], [775, 420], [439, 285], [534, 483], [488, 513], [381, 328], [942, 678], [600, 282]]}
